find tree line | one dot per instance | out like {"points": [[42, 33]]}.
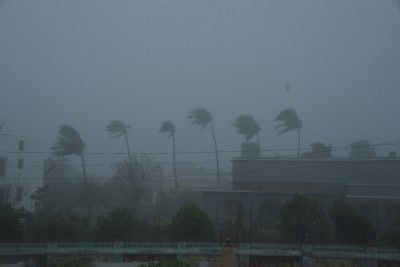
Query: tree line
{"points": [[301, 219], [69, 141]]}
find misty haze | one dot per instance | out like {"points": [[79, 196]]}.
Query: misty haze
{"points": [[199, 133]]}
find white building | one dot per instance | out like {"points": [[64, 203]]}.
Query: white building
{"points": [[21, 169]]}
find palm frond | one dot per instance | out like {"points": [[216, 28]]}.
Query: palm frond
{"points": [[117, 128], [289, 121], [201, 117], [168, 127], [247, 126], [68, 141]]}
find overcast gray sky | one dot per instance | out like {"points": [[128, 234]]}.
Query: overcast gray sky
{"points": [[85, 63]]}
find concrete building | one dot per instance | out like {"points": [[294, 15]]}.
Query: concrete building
{"points": [[21, 169], [260, 186]]}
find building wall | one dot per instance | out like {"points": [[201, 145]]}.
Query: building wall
{"points": [[262, 185], [23, 169], [225, 208], [349, 171]]}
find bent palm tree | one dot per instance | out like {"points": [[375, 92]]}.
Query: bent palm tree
{"points": [[202, 117], [169, 127], [248, 127], [289, 121], [117, 129], [69, 142]]}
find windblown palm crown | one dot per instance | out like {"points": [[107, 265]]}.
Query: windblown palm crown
{"points": [[247, 126]]}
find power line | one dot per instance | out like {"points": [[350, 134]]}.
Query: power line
{"points": [[194, 162], [206, 161], [266, 171], [120, 163], [337, 148]]}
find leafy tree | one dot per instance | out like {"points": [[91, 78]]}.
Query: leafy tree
{"points": [[40, 196], [55, 227], [130, 187], [118, 224], [143, 168], [191, 223], [164, 207], [10, 226], [350, 226], [289, 120], [303, 220], [362, 149], [248, 127], [117, 129], [70, 197], [318, 151], [169, 127], [202, 118], [394, 234], [69, 142]]}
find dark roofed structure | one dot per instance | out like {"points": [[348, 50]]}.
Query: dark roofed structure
{"points": [[370, 185]]}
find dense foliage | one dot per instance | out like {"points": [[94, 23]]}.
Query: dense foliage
{"points": [[56, 227], [191, 223], [119, 224], [303, 220], [10, 225], [350, 226]]}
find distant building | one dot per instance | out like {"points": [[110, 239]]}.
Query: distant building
{"points": [[21, 169], [260, 186]]}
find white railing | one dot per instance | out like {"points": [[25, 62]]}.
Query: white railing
{"points": [[204, 248]]}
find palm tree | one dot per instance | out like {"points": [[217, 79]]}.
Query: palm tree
{"points": [[202, 117], [69, 142], [248, 127], [169, 127], [117, 129], [289, 121]]}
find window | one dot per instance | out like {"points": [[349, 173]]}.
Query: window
{"points": [[21, 145], [3, 167], [20, 164]]}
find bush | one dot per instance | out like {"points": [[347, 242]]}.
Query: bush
{"points": [[10, 225], [56, 227], [350, 226], [303, 220], [118, 224], [191, 223]]}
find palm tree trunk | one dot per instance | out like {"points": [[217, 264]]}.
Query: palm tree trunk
{"points": [[129, 155], [128, 149], [216, 151], [84, 169], [62, 166], [298, 143], [174, 160]]}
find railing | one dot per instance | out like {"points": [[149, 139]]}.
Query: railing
{"points": [[339, 251], [196, 248], [270, 249]]}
